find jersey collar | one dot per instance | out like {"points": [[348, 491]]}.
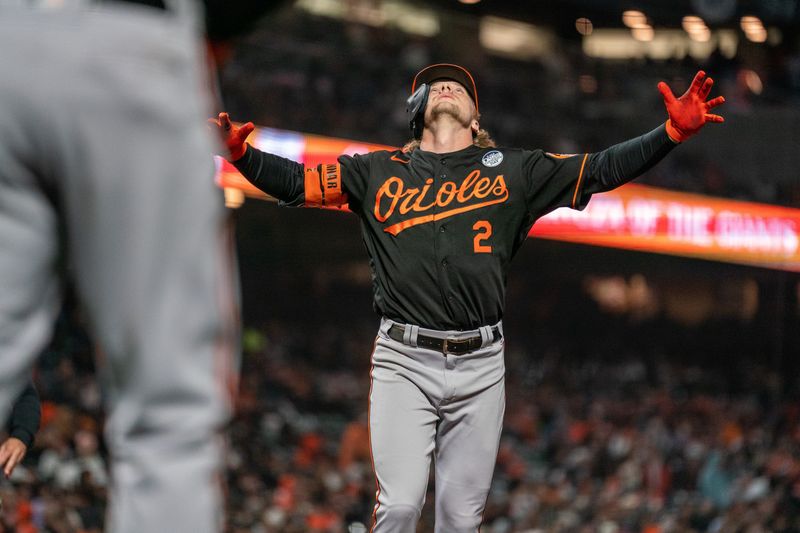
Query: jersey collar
{"points": [[468, 152]]}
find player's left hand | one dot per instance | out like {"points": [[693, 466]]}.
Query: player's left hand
{"points": [[11, 454], [689, 113]]}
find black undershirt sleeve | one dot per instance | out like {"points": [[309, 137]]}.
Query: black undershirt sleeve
{"points": [[25, 416], [623, 162], [277, 176]]}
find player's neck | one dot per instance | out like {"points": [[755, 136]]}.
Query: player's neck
{"points": [[445, 136]]}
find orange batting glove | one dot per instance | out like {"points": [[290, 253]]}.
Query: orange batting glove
{"points": [[232, 136], [689, 113]]}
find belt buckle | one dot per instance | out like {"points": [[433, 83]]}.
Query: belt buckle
{"points": [[448, 344]]}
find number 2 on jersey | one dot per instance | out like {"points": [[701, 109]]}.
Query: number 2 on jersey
{"points": [[484, 229]]}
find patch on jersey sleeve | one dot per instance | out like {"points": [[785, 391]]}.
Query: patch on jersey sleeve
{"points": [[559, 156], [492, 159], [323, 186]]}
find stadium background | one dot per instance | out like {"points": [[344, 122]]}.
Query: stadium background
{"points": [[646, 393]]}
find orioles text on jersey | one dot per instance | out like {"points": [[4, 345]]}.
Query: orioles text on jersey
{"points": [[474, 192]]}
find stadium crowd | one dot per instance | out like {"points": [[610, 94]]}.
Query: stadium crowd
{"points": [[626, 435]]}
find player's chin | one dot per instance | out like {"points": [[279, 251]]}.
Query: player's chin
{"points": [[452, 110], [445, 107]]}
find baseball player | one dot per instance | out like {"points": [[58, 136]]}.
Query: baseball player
{"points": [[441, 220]]}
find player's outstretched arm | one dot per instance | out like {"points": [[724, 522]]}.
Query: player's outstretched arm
{"points": [[288, 181], [277, 176], [689, 113], [625, 161]]}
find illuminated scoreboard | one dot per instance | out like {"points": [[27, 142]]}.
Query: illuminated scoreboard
{"points": [[637, 217]]}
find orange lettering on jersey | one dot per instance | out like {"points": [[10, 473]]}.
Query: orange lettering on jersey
{"points": [[418, 204], [393, 197], [410, 196], [465, 191], [392, 189], [446, 193], [482, 187]]}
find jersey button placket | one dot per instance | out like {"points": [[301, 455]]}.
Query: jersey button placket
{"points": [[441, 245]]}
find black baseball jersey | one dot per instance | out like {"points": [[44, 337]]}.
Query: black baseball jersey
{"points": [[441, 229]]}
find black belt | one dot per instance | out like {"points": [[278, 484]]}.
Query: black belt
{"points": [[451, 346]]}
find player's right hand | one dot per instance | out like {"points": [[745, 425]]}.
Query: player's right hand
{"points": [[232, 136]]}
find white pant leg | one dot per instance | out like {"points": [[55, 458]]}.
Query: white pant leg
{"points": [[468, 438], [402, 421]]}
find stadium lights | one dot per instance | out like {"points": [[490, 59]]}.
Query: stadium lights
{"points": [[692, 23], [584, 26], [753, 81], [643, 33], [612, 43], [696, 28], [753, 29], [701, 35], [515, 39], [392, 13], [641, 30], [750, 23], [758, 36], [634, 19]]}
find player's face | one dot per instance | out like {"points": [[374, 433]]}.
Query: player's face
{"points": [[448, 97]]}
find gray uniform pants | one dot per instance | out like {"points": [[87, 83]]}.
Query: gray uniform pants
{"points": [[103, 147], [426, 404]]}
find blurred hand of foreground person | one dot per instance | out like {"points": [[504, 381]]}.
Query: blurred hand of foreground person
{"points": [[12, 451]]}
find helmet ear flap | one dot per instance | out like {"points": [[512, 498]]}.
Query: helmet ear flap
{"points": [[415, 110]]}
